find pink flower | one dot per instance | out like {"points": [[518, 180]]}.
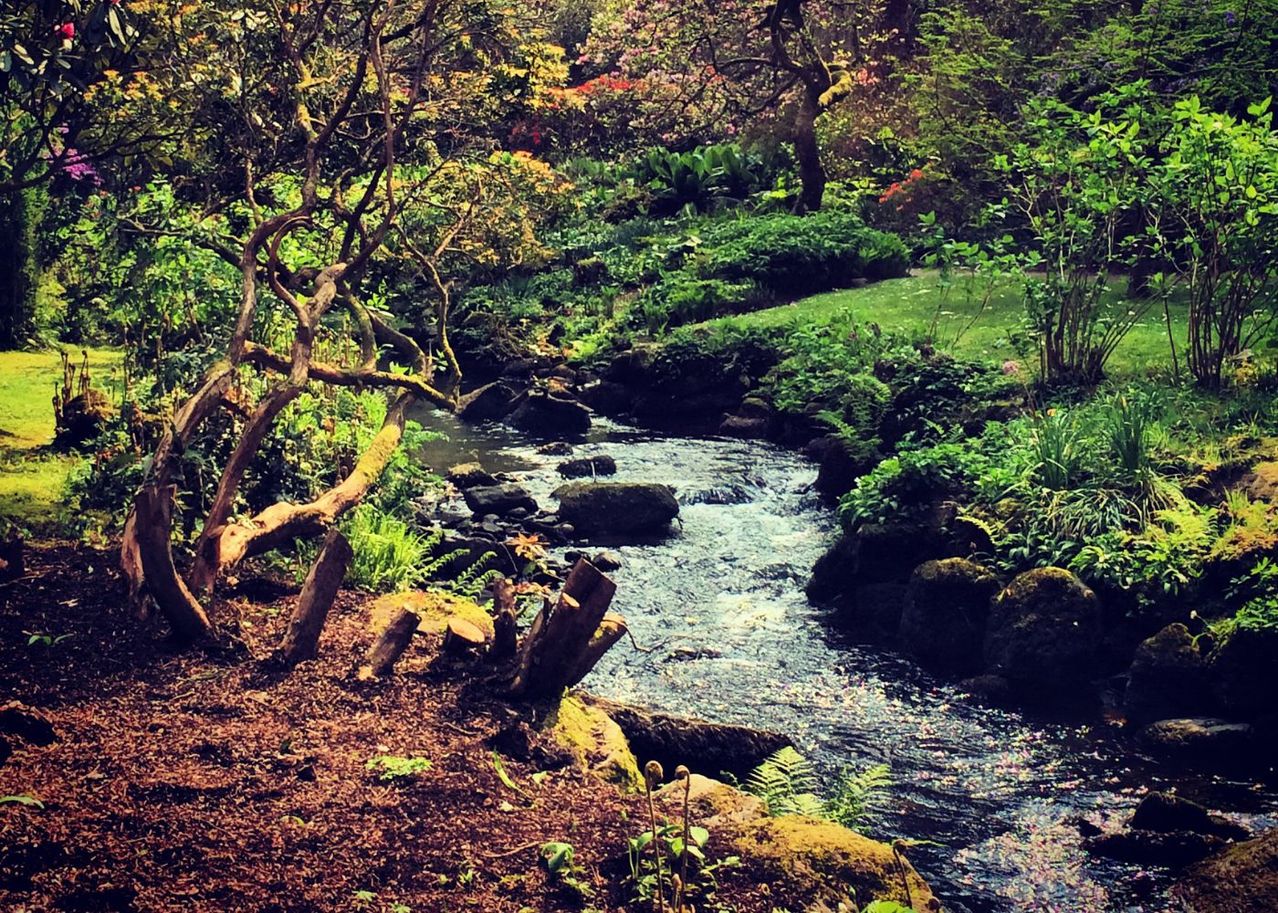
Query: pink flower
{"points": [[66, 30], [1011, 368]]}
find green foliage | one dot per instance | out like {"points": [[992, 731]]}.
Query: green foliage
{"points": [[1058, 445], [1077, 182], [788, 785], [903, 486], [702, 880], [387, 554], [704, 178], [393, 768], [22, 799], [1218, 205], [797, 255]]}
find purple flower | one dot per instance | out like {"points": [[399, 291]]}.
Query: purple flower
{"points": [[1230, 18], [77, 166]]}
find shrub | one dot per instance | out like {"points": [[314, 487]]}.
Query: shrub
{"points": [[802, 255]]}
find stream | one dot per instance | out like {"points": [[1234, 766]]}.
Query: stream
{"points": [[733, 639]]}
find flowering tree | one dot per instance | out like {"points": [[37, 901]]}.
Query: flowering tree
{"points": [[50, 55], [314, 129], [743, 59]]}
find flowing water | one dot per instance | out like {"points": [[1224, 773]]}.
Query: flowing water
{"points": [[720, 607]]}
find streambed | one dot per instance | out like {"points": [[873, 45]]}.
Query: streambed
{"points": [[732, 638]]}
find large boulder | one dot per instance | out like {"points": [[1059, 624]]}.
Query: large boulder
{"points": [[673, 740], [1044, 631], [547, 415], [617, 508], [1239, 879], [840, 465], [944, 613], [487, 403], [499, 499], [1168, 678], [813, 864], [1244, 672]]}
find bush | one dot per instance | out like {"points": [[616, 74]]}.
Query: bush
{"points": [[682, 298], [802, 255]]}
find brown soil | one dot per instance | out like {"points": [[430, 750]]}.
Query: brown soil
{"points": [[181, 780]]}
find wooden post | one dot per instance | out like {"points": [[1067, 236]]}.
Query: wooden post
{"points": [[391, 644], [462, 637], [566, 640], [504, 624], [301, 640]]}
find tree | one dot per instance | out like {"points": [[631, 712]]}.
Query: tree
{"points": [[333, 120], [742, 59], [50, 56]]}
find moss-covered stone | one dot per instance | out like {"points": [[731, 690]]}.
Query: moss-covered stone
{"points": [[812, 864], [1044, 631], [1240, 879], [1168, 678], [435, 608], [595, 741], [943, 619]]}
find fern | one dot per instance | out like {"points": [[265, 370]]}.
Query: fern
{"points": [[856, 794], [788, 785]]}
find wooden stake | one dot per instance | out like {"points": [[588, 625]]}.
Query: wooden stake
{"points": [[391, 644], [301, 640]]}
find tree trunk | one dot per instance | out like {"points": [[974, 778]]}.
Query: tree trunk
{"points": [[807, 152], [153, 521], [301, 640], [566, 641], [17, 268], [391, 644]]}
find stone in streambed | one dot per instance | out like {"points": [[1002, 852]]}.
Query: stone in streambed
{"points": [[1239, 879], [543, 414], [1044, 631], [469, 475], [943, 619], [1168, 678], [488, 403], [499, 499], [617, 508], [601, 465]]}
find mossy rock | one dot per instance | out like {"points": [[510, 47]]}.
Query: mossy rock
{"points": [[813, 864], [833, 863], [1044, 631], [1168, 678], [943, 620], [435, 609], [1240, 879], [595, 741], [1261, 483]]}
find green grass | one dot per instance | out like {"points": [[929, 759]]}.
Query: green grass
{"points": [[909, 305], [32, 479]]}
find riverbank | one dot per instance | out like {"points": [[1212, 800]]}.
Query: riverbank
{"points": [[138, 778]]}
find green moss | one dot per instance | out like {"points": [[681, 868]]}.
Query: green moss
{"points": [[595, 740], [435, 608], [828, 862]]}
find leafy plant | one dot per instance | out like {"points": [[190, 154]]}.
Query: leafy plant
{"points": [[392, 768], [22, 799], [558, 859], [788, 785]]}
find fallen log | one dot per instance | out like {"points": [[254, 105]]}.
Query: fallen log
{"points": [[301, 640]]}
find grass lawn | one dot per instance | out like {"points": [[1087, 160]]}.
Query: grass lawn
{"points": [[32, 479], [910, 305]]}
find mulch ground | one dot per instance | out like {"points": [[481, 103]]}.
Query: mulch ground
{"points": [[184, 781]]}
